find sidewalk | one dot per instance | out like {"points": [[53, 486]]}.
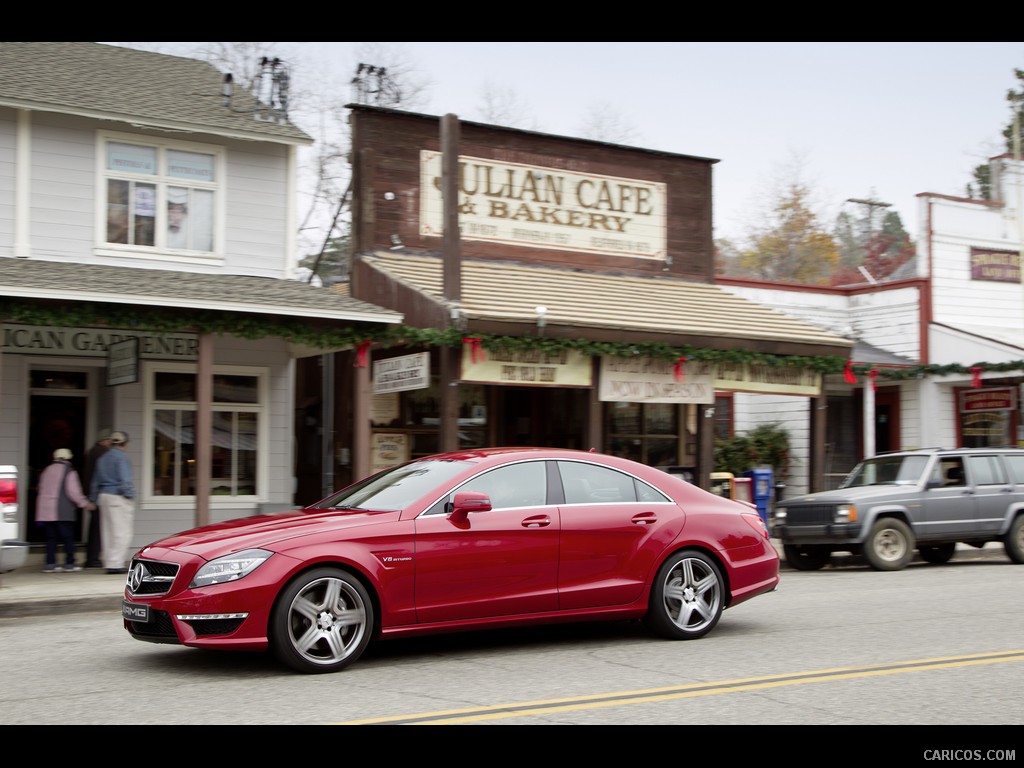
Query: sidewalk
{"points": [[28, 591]]}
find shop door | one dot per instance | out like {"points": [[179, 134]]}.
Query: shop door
{"points": [[55, 421], [541, 416]]}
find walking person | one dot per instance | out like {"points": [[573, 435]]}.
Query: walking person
{"points": [[113, 489], [91, 531], [57, 502]]}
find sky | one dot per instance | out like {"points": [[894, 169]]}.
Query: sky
{"points": [[875, 120]]}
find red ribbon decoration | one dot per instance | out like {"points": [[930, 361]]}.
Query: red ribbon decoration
{"points": [[679, 371], [976, 376], [361, 350], [848, 374], [873, 373], [474, 348]]}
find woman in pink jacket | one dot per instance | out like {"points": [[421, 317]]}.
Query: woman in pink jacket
{"points": [[57, 502]]}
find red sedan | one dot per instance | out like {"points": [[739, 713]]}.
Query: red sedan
{"points": [[465, 540]]}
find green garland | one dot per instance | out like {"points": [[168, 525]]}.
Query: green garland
{"points": [[328, 336]]}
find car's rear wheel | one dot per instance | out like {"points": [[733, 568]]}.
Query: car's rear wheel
{"points": [[890, 545], [806, 558], [687, 596], [937, 554], [322, 621], [1013, 540]]}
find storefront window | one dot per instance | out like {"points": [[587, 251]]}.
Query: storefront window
{"points": [[986, 417], [236, 420], [645, 432]]}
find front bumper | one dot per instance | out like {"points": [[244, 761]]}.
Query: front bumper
{"points": [[13, 554], [823, 533]]}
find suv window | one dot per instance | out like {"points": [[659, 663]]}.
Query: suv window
{"points": [[986, 470], [1016, 465], [886, 470]]}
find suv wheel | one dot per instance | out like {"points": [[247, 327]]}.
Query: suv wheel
{"points": [[806, 558], [890, 545], [1013, 540]]}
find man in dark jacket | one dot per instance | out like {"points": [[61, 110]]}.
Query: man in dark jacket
{"points": [[91, 532]]}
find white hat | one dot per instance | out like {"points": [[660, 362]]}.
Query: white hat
{"points": [[177, 196], [62, 454], [118, 437]]}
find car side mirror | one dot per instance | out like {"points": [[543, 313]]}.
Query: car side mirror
{"points": [[469, 501]]}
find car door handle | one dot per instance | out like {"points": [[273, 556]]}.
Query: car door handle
{"points": [[540, 521], [644, 518]]}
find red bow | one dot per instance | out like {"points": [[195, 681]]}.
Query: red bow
{"points": [[474, 348], [976, 376], [848, 374], [361, 350], [679, 370], [873, 373]]}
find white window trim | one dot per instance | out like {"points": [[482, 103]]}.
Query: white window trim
{"points": [[261, 407], [219, 187]]}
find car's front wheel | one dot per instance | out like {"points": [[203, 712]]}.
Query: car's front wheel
{"points": [[806, 558], [937, 554], [687, 597], [1013, 540], [322, 621], [890, 545]]}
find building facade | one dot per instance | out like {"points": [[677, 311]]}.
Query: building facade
{"points": [[563, 292], [147, 280], [939, 358]]}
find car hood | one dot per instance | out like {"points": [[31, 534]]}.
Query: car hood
{"points": [[270, 531], [859, 493]]}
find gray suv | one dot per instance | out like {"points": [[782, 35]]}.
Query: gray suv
{"points": [[893, 503]]}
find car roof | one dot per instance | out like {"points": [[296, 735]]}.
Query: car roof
{"points": [[951, 451]]}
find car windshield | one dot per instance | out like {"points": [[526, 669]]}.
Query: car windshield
{"points": [[395, 488], [887, 470]]}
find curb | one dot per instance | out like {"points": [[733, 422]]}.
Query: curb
{"points": [[20, 608]]}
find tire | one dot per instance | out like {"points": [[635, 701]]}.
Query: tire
{"points": [[807, 558], [890, 545], [937, 554], [1013, 540], [687, 597], [321, 622]]}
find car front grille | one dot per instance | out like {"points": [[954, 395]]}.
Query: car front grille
{"points": [[810, 514], [160, 628], [156, 579]]}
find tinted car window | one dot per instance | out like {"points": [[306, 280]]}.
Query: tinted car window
{"points": [[590, 484], [516, 485], [396, 488]]}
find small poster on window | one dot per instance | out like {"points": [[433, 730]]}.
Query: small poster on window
{"points": [[145, 201], [388, 450]]}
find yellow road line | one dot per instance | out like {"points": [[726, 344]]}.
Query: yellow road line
{"points": [[597, 701]]}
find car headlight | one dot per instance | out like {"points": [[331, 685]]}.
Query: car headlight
{"points": [[230, 567], [845, 513]]}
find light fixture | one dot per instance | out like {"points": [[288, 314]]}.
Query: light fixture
{"points": [[389, 196], [542, 318], [396, 243]]}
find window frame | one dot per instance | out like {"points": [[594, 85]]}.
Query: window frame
{"points": [[262, 409], [162, 181]]}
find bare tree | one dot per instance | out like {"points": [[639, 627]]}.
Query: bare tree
{"points": [[316, 99], [502, 105], [604, 121]]}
